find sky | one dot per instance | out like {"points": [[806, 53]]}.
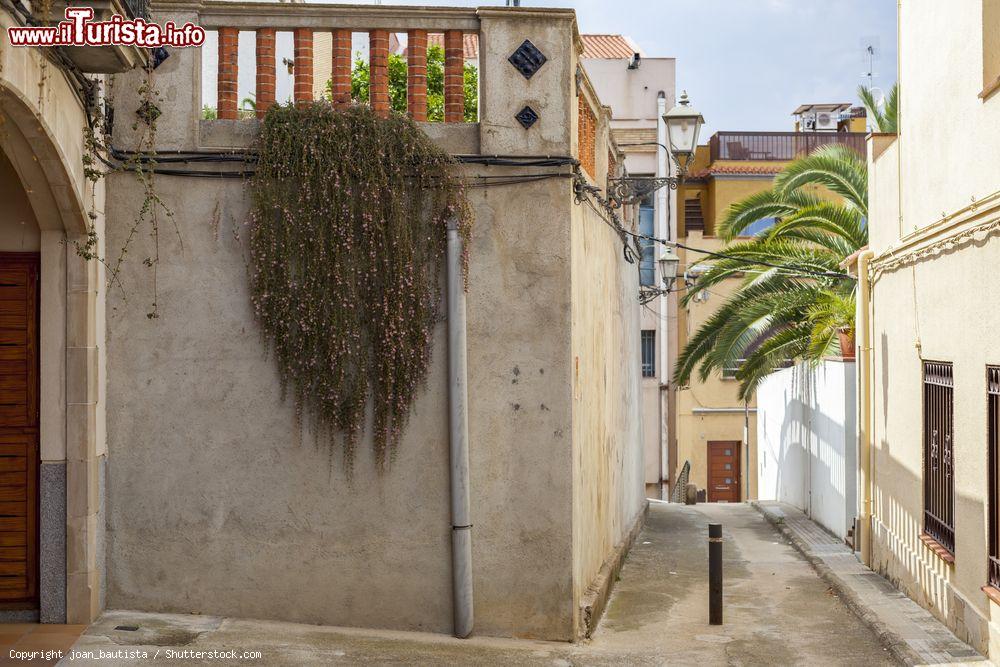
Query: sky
{"points": [[746, 64]]}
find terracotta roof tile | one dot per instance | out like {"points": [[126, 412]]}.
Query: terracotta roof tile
{"points": [[740, 169], [608, 46]]}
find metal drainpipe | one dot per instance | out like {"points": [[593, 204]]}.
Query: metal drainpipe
{"points": [[458, 436], [662, 169], [865, 455]]}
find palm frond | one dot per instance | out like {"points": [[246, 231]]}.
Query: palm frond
{"points": [[890, 113], [773, 353], [837, 167], [766, 204], [885, 116]]}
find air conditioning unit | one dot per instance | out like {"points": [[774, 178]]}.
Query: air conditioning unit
{"points": [[826, 121]]}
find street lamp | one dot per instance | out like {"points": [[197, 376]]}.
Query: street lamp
{"points": [[683, 126], [669, 261]]}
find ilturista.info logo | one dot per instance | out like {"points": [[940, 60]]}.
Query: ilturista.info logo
{"points": [[79, 29]]}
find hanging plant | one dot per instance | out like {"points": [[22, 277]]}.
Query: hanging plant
{"points": [[347, 240]]}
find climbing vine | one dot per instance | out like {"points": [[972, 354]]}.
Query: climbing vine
{"points": [[141, 163], [347, 237]]}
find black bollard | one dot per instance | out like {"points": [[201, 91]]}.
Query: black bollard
{"points": [[715, 573]]}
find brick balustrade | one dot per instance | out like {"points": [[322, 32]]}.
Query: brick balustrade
{"points": [[416, 80], [340, 80], [378, 68], [586, 130], [265, 70], [341, 62], [454, 77], [228, 72], [303, 65]]}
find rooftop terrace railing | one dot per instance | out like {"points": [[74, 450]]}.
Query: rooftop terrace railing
{"points": [[778, 146], [342, 21]]}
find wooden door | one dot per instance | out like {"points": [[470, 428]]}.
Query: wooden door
{"points": [[18, 427], [724, 471]]}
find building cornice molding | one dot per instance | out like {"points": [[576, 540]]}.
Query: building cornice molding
{"points": [[975, 222]]}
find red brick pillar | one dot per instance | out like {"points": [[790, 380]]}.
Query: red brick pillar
{"points": [[416, 74], [265, 70], [228, 73], [454, 77], [378, 64], [303, 91], [340, 87]]}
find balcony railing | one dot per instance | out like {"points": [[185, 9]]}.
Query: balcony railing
{"points": [[265, 19], [778, 146]]}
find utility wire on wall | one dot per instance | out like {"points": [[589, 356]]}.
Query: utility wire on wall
{"points": [[585, 190]]}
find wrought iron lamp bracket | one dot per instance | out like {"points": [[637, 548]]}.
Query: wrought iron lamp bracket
{"points": [[633, 189]]}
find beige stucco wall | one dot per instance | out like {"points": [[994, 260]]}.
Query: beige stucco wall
{"points": [[608, 489], [215, 506], [939, 306]]}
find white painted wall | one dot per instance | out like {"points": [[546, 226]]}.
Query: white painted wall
{"points": [[805, 438]]}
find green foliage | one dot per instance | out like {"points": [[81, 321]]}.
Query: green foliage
{"points": [[209, 113], [885, 116], [783, 314], [360, 76], [347, 237]]}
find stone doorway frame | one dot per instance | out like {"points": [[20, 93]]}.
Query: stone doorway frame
{"points": [[42, 135]]}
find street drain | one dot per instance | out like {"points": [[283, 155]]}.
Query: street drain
{"points": [[127, 628]]}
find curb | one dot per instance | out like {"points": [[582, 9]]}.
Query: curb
{"points": [[893, 642]]}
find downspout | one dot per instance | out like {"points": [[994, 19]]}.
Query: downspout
{"points": [[458, 437], [866, 453], [661, 323]]}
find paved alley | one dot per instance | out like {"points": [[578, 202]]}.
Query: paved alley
{"points": [[778, 612]]}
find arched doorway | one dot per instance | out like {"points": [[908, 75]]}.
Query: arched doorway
{"points": [[41, 143]]}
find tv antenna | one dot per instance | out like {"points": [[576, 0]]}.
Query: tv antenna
{"points": [[872, 51]]}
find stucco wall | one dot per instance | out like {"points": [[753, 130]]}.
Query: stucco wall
{"points": [[806, 446], [608, 489], [216, 506], [939, 305]]}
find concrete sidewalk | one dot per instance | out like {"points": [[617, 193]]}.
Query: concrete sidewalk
{"points": [[913, 635], [778, 612]]}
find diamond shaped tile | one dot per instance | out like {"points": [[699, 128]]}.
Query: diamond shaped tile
{"points": [[526, 117], [527, 59]]}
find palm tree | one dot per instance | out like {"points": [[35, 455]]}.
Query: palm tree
{"points": [[884, 116], [794, 298]]}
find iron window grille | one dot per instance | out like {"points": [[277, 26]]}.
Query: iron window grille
{"points": [[939, 478], [993, 440], [648, 353]]}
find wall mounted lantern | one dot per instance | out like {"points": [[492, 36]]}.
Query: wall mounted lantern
{"points": [[683, 127]]}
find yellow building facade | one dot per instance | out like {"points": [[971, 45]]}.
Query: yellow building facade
{"points": [[713, 433]]}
